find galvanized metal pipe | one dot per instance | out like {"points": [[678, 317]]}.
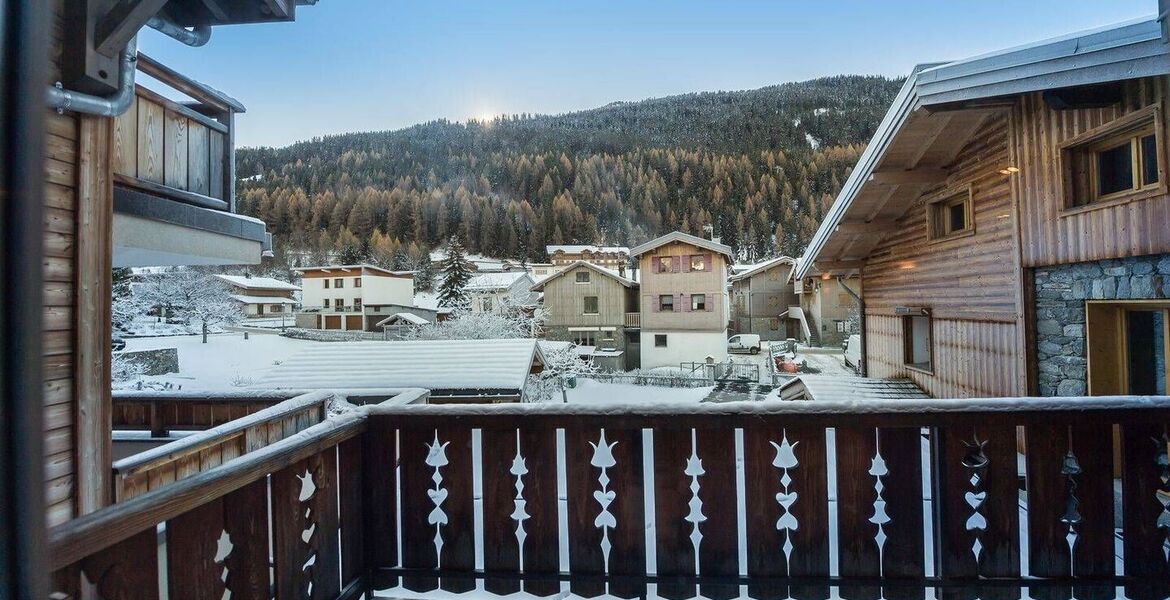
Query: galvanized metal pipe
{"points": [[196, 36], [103, 106]]}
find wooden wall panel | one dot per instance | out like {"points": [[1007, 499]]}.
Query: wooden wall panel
{"points": [[970, 283], [175, 164], [150, 141], [971, 358], [125, 150], [198, 152], [216, 142], [1051, 237]]}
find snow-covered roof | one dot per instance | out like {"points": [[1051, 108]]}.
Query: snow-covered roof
{"points": [[581, 248], [580, 263], [432, 364], [259, 283], [761, 267], [686, 238], [346, 268], [495, 281], [262, 299], [837, 388], [403, 316]]}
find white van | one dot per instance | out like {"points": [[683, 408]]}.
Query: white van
{"points": [[744, 342], [853, 351]]}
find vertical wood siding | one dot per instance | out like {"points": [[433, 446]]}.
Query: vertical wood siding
{"points": [[155, 143], [1050, 237], [970, 283]]}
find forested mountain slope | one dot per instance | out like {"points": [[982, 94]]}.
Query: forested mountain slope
{"points": [[761, 166]]}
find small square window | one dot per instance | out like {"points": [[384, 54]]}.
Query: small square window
{"points": [[357, 303], [325, 303], [590, 305], [950, 215], [339, 283], [582, 276], [326, 284], [486, 304], [698, 302], [586, 338], [698, 263], [916, 342], [666, 303], [660, 340], [665, 264], [357, 282], [339, 304]]}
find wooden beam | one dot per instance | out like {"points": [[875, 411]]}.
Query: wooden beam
{"points": [[838, 265], [122, 22], [215, 7], [865, 227], [915, 177]]}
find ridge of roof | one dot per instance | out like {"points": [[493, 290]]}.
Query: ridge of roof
{"points": [[678, 236]]}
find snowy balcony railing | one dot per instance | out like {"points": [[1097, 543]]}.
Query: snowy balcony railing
{"points": [[767, 499], [634, 320]]}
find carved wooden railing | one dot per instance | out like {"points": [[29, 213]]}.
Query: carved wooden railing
{"points": [[634, 320], [801, 499], [804, 500], [304, 493], [230, 432]]}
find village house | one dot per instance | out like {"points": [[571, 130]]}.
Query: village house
{"points": [[684, 301], [262, 296], [616, 258], [493, 292], [596, 309], [760, 299], [827, 310], [1009, 221], [351, 297]]}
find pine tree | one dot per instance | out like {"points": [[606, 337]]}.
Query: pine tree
{"points": [[424, 273], [456, 274]]}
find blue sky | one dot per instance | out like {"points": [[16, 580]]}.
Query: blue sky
{"points": [[360, 65]]}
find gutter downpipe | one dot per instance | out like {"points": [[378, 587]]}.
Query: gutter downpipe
{"points": [[860, 317], [196, 36], [103, 106]]}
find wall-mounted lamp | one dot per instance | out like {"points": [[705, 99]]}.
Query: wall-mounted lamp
{"points": [[907, 311], [1009, 170]]}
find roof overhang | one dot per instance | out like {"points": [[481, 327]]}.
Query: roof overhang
{"points": [[941, 107]]}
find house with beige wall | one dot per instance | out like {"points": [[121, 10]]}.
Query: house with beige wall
{"points": [[760, 297], [262, 296], [350, 297], [593, 307], [684, 301], [827, 309]]}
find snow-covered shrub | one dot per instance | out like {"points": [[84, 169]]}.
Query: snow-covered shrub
{"points": [[559, 363], [125, 370], [512, 320], [193, 296]]}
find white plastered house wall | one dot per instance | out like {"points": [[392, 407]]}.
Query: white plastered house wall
{"points": [[682, 346]]}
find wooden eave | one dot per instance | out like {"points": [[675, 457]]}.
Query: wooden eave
{"points": [[916, 160]]}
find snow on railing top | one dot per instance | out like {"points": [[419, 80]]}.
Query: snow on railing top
{"points": [[858, 407]]}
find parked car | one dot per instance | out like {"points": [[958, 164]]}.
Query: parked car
{"points": [[117, 344], [852, 347], [744, 342]]}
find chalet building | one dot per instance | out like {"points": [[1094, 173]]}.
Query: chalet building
{"points": [[130, 178], [351, 297], [760, 297], [609, 257], [827, 310], [684, 301], [491, 292], [1010, 222], [262, 296], [594, 308]]}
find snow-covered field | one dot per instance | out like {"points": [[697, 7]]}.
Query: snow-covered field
{"points": [[227, 361]]}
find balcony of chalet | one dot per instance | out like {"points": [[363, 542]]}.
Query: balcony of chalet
{"points": [[172, 158], [1052, 498]]}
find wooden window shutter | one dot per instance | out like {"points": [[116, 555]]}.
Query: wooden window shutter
{"points": [[675, 264], [708, 300], [681, 299], [707, 262], [686, 264]]}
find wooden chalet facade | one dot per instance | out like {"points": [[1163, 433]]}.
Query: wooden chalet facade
{"points": [[1010, 222], [594, 307], [151, 186]]}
